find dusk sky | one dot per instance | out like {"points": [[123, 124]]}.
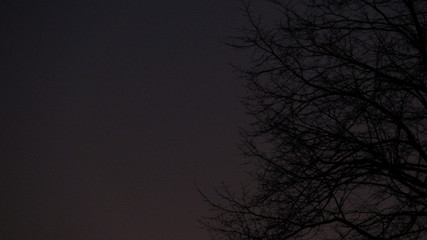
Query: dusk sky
{"points": [[112, 112]]}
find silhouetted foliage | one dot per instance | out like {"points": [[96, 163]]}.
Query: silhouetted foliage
{"points": [[338, 95]]}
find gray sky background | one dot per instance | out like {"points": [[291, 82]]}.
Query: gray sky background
{"points": [[111, 113]]}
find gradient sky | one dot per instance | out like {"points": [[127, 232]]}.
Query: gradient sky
{"points": [[111, 112]]}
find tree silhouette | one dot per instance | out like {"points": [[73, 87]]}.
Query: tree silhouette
{"points": [[338, 95]]}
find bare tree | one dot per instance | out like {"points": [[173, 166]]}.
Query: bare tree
{"points": [[338, 94]]}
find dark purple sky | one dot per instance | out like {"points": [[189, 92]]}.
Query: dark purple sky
{"points": [[111, 112]]}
